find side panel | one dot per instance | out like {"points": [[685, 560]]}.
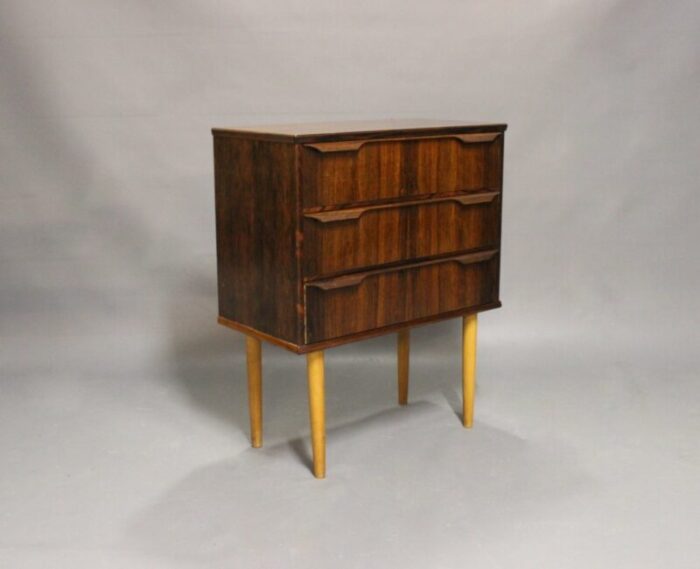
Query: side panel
{"points": [[256, 222]]}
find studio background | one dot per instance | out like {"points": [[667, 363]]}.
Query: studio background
{"points": [[123, 419]]}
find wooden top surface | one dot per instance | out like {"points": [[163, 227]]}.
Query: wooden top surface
{"points": [[306, 132]]}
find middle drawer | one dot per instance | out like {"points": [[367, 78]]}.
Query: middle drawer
{"points": [[349, 239]]}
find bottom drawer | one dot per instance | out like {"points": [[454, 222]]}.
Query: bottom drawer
{"points": [[373, 299]]}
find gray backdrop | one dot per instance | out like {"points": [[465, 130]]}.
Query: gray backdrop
{"points": [[123, 426]]}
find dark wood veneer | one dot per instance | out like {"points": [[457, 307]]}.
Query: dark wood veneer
{"points": [[312, 347], [352, 130], [327, 234], [256, 225], [395, 168], [350, 239], [364, 301]]}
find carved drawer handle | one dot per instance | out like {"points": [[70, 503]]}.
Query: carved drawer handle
{"points": [[355, 279], [345, 281], [355, 145], [357, 212]]}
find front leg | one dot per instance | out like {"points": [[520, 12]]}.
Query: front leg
{"points": [[468, 367], [317, 411]]}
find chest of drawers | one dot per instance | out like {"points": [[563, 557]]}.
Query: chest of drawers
{"points": [[331, 233]]}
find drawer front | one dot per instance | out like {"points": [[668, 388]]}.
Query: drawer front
{"points": [[364, 301], [351, 239], [348, 172]]}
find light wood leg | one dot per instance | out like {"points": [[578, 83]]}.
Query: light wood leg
{"points": [[468, 367], [403, 350], [317, 411], [254, 360]]}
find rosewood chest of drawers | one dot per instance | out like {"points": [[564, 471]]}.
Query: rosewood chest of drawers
{"points": [[331, 233]]}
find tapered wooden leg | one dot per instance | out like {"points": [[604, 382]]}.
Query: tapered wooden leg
{"points": [[317, 411], [254, 357], [468, 367], [403, 349]]}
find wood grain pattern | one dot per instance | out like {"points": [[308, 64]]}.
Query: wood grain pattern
{"points": [[256, 225], [354, 279], [377, 235], [356, 212], [255, 405], [355, 145], [469, 328], [382, 298], [328, 234], [317, 411], [351, 130], [305, 348], [398, 168]]}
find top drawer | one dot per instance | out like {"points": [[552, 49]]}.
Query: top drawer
{"points": [[356, 171]]}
